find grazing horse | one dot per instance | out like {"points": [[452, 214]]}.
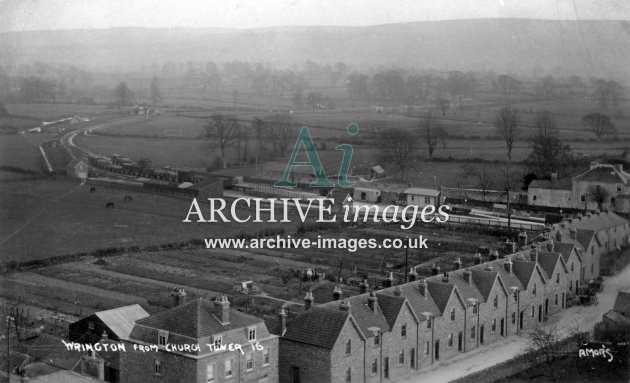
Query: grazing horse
{"points": [[128, 198], [109, 204], [92, 189]]}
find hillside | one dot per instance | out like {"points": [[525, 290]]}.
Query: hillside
{"points": [[588, 48]]}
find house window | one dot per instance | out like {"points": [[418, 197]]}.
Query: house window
{"points": [[515, 295], [450, 340], [363, 196], [570, 285], [571, 266], [592, 267], [556, 300], [348, 375], [534, 290], [349, 347], [158, 367], [218, 342], [558, 278], [377, 339], [403, 331], [496, 301], [412, 198], [513, 318], [429, 324], [452, 315], [613, 201], [401, 357], [91, 325], [427, 348], [251, 333], [582, 198], [228, 368], [533, 313], [427, 200], [534, 198], [474, 310], [472, 332], [162, 338], [375, 367], [592, 250], [210, 372], [266, 358], [249, 361], [494, 325], [412, 358]]}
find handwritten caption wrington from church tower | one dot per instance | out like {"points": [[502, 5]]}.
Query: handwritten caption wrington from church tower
{"points": [[169, 347]]}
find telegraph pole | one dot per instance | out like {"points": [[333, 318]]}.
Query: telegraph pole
{"points": [[406, 258]]}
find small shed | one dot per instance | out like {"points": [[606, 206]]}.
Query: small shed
{"points": [[422, 197], [245, 287], [77, 169], [366, 192]]}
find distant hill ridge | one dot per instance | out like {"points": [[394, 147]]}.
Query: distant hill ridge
{"points": [[586, 47]]}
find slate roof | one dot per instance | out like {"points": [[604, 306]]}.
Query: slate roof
{"points": [[523, 270], [422, 191], [467, 291], [122, 319], [484, 279], [419, 303], [390, 305], [441, 292], [562, 184], [622, 303], [509, 279], [548, 261], [196, 319], [362, 314], [584, 237], [563, 248], [605, 174], [318, 327]]}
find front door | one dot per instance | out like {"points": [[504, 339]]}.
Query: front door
{"points": [[563, 301], [386, 367], [481, 334], [460, 340], [539, 313], [546, 307], [502, 326], [521, 320], [437, 350], [295, 375]]}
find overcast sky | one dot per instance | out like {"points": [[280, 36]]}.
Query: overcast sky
{"points": [[16, 15]]}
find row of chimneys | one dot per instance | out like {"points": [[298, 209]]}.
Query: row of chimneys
{"points": [[221, 304]]}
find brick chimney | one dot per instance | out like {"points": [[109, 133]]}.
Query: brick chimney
{"points": [[344, 305], [363, 286], [533, 255], [179, 296], [282, 321], [554, 178], [371, 301], [522, 239], [424, 288], [413, 275], [389, 281], [488, 267], [550, 246], [573, 233], [397, 291], [308, 300], [494, 255], [337, 293], [445, 277], [458, 263], [468, 276], [508, 266], [435, 270], [478, 259], [222, 309]]}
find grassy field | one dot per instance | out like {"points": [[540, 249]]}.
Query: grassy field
{"points": [[45, 218], [155, 127], [48, 112]]}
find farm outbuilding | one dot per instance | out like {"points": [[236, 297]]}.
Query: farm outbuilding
{"points": [[422, 197], [77, 169], [367, 193], [117, 323]]}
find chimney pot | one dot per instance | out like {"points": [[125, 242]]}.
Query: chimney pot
{"points": [[179, 296], [468, 276], [308, 300], [344, 305], [372, 301], [337, 293], [508, 266], [282, 321], [397, 291], [222, 309]]}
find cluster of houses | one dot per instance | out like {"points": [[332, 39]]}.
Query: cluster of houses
{"points": [[383, 333], [603, 186]]}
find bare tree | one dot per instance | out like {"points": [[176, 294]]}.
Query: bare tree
{"points": [[281, 132], [122, 94], [156, 94], [18, 319], [598, 195], [468, 171], [600, 124], [400, 149], [548, 155], [444, 104], [485, 180], [430, 126], [508, 126], [222, 131], [546, 342]]}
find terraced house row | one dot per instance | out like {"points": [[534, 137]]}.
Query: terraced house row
{"points": [[391, 333]]}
